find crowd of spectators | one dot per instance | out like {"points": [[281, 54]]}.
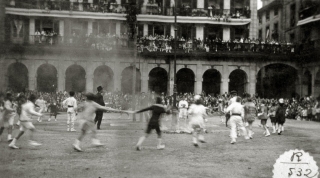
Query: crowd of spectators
{"points": [[305, 108], [166, 44], [102, 41]]}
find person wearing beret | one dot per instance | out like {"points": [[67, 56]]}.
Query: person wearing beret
{"points": [[100, 101]]}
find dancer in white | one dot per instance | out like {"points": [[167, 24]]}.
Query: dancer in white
{"points": [[87, 121], [27, 109], [42, 105], [236, 120], [197, 112], [71, 104], [8, 116]]}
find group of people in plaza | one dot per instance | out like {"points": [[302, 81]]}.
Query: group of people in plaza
{"points": [[239, 113]]}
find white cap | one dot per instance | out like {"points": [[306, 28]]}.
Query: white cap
{"points": [[197, 97], [281, 100]]}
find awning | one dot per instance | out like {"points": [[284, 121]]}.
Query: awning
{"points": [[309, 20]]}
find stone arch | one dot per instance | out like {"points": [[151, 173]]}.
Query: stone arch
{"points": [[47, 78], [259, 67], [127, 79], [185, 80], [103, 76], [75, 78], [211, 81], [18, 77], [158, 80], [238, 81], [277, 80]]}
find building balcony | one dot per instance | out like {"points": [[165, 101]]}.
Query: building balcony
{"points": [[112, 11], [309, 11], [87, 47]]}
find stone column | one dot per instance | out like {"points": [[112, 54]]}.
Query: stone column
{"points": [[224, 80], [32, 76], [117, 76], [226, 33], [315, 86], [144, 84], [200, 4], [226, 4], [199, 79], [172, 28], [171, 78], [254, 19], [199, 31], [118, 28], [252, 80], [61, 78], [145, 29], [90, 27], [61, 30], [89, 83], [32, 26], [224, 86]]}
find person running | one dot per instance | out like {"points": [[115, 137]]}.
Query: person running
{"points": [[281, 116], [8, 116], [27, 109], [87, 118], [197, 112], [236, 119], [71, 104], [263, 116], [154, 123], [250, 115]]}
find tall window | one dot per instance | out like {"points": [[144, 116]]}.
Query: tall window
{"points": [[267, 15], [276, 11], [260, 34], [292, 15]]}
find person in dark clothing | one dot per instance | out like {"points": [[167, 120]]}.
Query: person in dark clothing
{"points": [[281, 116], [154, 122], [53, 111], [100, 101]]}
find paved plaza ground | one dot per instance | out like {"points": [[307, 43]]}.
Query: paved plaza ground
{"points": [[118, 158]]}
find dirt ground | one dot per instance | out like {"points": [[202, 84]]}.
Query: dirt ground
{"points": [[118, 158]]}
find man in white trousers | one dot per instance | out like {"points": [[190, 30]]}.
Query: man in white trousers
{"points": [[236, 120], [71, 104]]}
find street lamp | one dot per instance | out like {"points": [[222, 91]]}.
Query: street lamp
{"points": [[175, 59]]}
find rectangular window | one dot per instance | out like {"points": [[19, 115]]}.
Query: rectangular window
{"points": [[260, 19], [292, 15], [275, 11], [260, 34], [267, 15]]}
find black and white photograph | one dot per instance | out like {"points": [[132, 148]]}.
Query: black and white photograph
{"points": [[159, 88]]}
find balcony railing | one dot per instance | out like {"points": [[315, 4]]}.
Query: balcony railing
{"points": [[198, 46], [151, 9], [106, 43], [309, 10], [162, 47]]}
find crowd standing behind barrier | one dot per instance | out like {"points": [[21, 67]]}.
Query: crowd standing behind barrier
{"points": [[305, 108]]}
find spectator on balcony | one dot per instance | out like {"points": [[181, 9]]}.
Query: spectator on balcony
{"points": [[37, 35], [238, 15]]}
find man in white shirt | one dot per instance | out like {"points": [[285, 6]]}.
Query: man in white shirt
{"points": [[27, 109], [236, 120], [183, 106], [42, 105], [71, 104]]}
